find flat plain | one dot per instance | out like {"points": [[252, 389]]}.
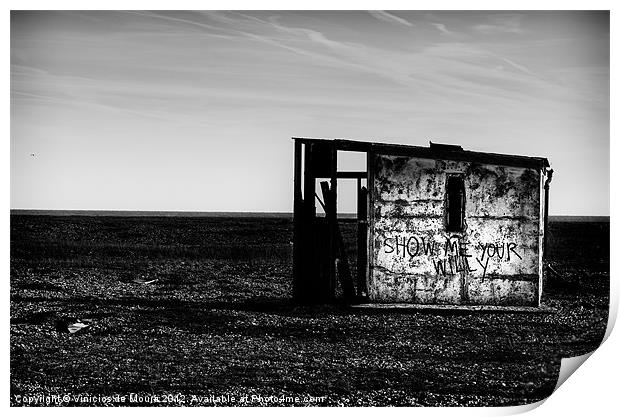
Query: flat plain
{"points": [[218, 321]]}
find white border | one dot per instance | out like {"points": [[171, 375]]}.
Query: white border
{"points": [[591, 391]]}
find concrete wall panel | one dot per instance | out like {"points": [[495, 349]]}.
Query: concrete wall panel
{"points": [[494, 260]]}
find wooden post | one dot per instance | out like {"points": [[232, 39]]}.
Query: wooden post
{"points": [[332, 217], [344, 272], [298, 236], [309, 265], [370, 227], [362, 235], [309, 188], [546, 214]]}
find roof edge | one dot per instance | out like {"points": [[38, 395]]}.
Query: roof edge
{"points": [[444, 151]]}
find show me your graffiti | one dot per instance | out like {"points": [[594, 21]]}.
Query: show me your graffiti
{"points": [[455, 250]]}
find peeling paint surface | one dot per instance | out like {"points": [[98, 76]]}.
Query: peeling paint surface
{"points": [[494, 260]]}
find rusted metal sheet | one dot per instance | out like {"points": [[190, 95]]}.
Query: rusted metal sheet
{"points": [[495, 259]]}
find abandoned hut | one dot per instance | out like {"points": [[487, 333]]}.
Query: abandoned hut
{"points": [[434, 225]]}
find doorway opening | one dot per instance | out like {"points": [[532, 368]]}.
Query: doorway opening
{"points": [[330, 256]]}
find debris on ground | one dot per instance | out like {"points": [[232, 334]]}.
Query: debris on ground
{"points": [[72, 326], [145, 281]]}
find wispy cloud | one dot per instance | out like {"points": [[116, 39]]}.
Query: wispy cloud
{"points": [[518, 66], [437, 67], [389, 17], [442, 28], [504, 23], [310, 34], [154, 15]]}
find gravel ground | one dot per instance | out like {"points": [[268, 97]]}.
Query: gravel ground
{"points": [[217, 326]]}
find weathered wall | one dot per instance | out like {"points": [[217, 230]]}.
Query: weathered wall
{"points": [[495, 260]]}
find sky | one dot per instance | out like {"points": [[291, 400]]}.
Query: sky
{"points": [[194, 111]]}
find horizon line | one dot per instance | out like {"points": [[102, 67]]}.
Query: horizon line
{"points": [[147, 212]]}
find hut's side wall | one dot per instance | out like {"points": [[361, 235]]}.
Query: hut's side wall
{"points": [[494, 260]]}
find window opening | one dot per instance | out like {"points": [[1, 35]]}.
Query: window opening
{"points": [[455, 204]]}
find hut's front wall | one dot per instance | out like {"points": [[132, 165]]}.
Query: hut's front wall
{"points": [[494, 260]]}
